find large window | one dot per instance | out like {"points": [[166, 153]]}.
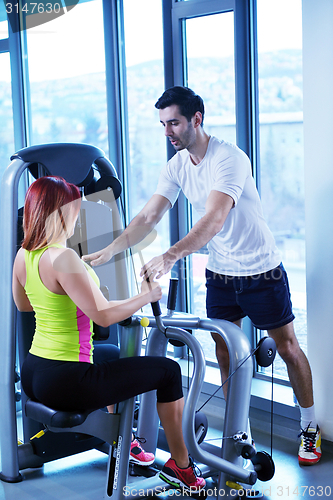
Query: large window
{"points": [[211, 74], [67, 103], [209, 69], [281, 173], [67, 78], [147, 145]]}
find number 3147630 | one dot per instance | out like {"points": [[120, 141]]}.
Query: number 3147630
{"points": [[33, 8]]}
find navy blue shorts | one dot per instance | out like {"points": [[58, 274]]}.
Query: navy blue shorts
{"points": [[264, 298]]}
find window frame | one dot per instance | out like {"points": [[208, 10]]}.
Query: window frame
{"points": [[17, 48]]}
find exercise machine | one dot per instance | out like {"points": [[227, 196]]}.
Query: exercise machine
{"points": [[111, 433], [227, 462], [88, 168]]}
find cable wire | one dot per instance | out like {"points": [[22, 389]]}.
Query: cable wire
{"points": [[272, 413], [229, 377]]}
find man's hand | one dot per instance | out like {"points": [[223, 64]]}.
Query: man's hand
{"points": [[158, 266], [98, 258]]}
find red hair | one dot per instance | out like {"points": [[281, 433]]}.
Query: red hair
{"points": [[48, 208]]}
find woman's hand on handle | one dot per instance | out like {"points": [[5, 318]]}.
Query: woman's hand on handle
{"points": [[152, 288]]}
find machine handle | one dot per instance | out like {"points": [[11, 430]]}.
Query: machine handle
{"points": [[172, 295], [158, 314], [156, 309], [155, 306]]}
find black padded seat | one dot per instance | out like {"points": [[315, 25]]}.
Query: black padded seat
{"points": [[55, 418]]}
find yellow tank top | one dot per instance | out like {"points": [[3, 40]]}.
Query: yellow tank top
{"points": [[63, 331]]}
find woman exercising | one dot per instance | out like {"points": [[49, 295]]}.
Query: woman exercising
{"points": [[64, 293]]}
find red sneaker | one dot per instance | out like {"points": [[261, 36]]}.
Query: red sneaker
{"points": [[138, 455], [185, 479]]}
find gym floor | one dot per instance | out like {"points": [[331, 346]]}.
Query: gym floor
{"points": [[82, 477]]}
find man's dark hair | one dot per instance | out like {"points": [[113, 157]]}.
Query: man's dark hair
{"points": [[187, 101]]}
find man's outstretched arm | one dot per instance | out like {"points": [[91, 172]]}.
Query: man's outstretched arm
{"points": [[218, 206], [136, 231]]}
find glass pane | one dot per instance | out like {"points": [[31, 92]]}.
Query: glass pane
{"points": [[67, 78], [147, 145], [7, 147], [3, 21], [211, 74], [281, 144]]}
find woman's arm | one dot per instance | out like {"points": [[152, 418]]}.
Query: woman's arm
{"points": [[75, 280]]}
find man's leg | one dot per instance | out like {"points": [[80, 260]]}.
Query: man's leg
{"points": [[298, 367], [288, 347], [222, 356], [300, 377]]}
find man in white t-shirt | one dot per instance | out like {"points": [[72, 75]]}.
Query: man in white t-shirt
{"points": [[244, 275]]}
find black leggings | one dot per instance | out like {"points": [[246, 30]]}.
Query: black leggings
{"points": [[70, 386]]}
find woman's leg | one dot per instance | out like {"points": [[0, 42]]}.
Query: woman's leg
{"points": [[137, 375], [110, 352], [179, 470], [171, 419]]}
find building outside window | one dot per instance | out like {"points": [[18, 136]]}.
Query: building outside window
{"points": [[67, 78]]}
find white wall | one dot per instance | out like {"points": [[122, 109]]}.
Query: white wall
{"points": [[318, 149]]}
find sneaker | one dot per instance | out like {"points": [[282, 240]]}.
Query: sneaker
{"points": [[185, 479], [138, 455], [309, 452]]}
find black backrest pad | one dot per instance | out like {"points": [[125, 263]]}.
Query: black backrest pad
{"points": [[71, 161]]}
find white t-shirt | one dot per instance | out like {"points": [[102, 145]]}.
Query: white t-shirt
{"points": [[245, 246]]}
